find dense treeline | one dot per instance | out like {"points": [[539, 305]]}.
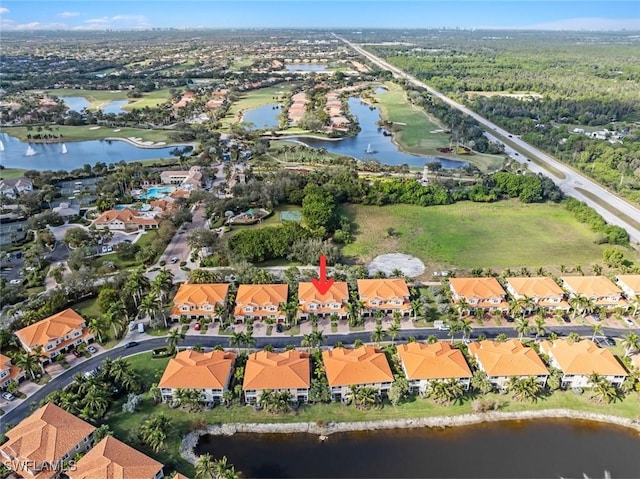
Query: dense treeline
{"points": [[607, 233], [263, 244]]}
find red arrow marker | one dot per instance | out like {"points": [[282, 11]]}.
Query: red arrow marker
{"points": [[323, 284]]}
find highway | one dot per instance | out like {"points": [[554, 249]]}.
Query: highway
{"points": [[572, 182], [24, 409]]}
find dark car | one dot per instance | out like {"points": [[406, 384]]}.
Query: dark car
{"points": [[76, 353], [131, 344], [279, 327]]}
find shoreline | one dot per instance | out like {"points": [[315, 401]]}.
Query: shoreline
{"points": [[323, 431], [148, 147]]}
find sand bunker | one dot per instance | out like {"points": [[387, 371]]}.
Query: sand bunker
{"points": [[94, 128], [409, 265]]}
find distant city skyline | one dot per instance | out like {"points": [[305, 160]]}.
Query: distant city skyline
{"points": [[28, 15]]}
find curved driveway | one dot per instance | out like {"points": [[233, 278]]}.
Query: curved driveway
{"points": [[572, 182], [24, 409]]}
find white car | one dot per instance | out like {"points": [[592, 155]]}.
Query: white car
{"points": [[441, 325], [629, 322], [15, 281], [8, 396]]}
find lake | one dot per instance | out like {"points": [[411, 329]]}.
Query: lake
{"points": [[514, 449], [49, 156], [264, 116], [114, 106], [372, 139], [305, 67], [75, 103]]}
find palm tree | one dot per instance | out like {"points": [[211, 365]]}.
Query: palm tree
{"points": [[454, 328], [378, 335], [461, 306], [481, 382], [206, 467], [236, 339], [465, 328], [249, 341], [526, 304], [597, 329], [574, 337], [393, 331], [524, 388], [416, 306], [307, 341], [27, 362], [153, 431], [515, 307], [539, 327], [365, 397], [445, 391], [522, 327], [174, 336], [149, 306], [224, 470], [97, 327], [630, 343], [601, 389]]}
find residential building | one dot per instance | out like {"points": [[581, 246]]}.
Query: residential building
{"points": [[423, 363], [9, 373], [384, 295], [260, 301], [66, 210], [126, 220], [12, 187], [38, 444], [600, 289], [504, 360], [208, 372], [191, 178], [323, 305], [479, 293], [113, 459], [288, 371], [365, 366], [196, 301], [544, 292], [57, 334], [630, 285], [578, 360]]}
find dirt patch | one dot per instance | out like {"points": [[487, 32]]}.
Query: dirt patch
{"points": [[387, 263]]}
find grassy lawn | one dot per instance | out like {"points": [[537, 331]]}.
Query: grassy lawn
{"points": [[272, 220], [84, 132], [418, 132], [467, 235], [98, 98], [87, 308], [254, 99], [8, 173]]}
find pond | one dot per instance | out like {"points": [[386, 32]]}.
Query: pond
{"points": [[372, 143], [75, 103], [264, 116], [514, 449], [306, 67], [114, 106], [49, 156]]}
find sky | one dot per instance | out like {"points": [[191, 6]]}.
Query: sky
{"points": [[27, 15]]}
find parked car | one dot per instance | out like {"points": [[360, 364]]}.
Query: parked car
{"points": [[279, 327], [8, 396], [605, 341], [130, 344], [629, 322], [76, 353], [92, 349], [197, 327], [441, 326], [15, 281], [174, 260]]}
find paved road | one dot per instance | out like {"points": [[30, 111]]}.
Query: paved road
{"points": [[24, 409], [572, 181]]}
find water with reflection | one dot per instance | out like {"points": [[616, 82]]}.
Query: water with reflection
{"points": [[305, 67], [49, 155], [75, 103], [371, 138], [264, 116], [114, 106], [515, 449]]}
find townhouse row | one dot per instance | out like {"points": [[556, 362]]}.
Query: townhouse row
{"points": [[43, 446], [211, 372], [262, 301], [488, 294]]}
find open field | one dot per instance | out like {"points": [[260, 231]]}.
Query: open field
{"points": [[254, 99], [97, 98], [8, 173], [421, 133], [125, 425], [273, 220], [506, 234], [84, 132]]}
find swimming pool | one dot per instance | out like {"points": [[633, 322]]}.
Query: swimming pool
{"points": [[157, 192], [143, 207]]}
